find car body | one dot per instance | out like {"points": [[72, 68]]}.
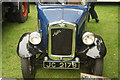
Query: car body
{"points": [[61, 40]]}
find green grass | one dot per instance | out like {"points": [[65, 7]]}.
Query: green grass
{"points": [[0, 53], [119, 41], [11, 35], [107, 28]]}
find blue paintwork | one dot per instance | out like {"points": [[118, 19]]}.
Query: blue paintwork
{"points": [[48, 14]]}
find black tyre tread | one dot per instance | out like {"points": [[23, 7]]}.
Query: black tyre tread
{"points": [[10, 15], [98, 68], [25, 69], [24, 66]]}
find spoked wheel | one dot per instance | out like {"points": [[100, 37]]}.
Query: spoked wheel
{"points": [[28, 68], [24, 9], [97, 67], [22, 14]]}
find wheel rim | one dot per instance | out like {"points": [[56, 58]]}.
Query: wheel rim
{"points": [[24, 7]]}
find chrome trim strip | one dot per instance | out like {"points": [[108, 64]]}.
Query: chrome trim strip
{"points": [[62, 56], [63, 9], [60, 22]]}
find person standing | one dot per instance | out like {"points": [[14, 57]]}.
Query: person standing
{"points": [[93, 12]]}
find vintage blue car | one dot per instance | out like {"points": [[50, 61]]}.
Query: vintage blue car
{"points": [[61, 40]]}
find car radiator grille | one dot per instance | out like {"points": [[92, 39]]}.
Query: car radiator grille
{"points": [[61, 41]]}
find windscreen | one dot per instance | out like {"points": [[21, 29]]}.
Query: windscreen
{"points": [[63, 2]]}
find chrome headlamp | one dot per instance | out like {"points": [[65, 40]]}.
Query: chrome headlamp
{"points": [[35, 38], [88, 38]]}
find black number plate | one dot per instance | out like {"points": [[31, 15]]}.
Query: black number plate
{"points": [[61, 65]]}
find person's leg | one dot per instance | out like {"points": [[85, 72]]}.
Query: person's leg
{"points": [[93, 12]]}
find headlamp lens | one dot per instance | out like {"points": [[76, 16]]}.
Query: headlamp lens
{"points": [[88, 38], [35, 38]]}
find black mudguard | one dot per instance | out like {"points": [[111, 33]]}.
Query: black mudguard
{"points": [[98, 50], [25, 49], [22, 49]]}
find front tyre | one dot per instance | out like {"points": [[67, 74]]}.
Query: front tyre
{"points": [[28, 68], [97, 67]]}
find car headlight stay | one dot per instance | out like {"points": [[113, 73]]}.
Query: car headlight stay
{"points": [[35, 38], [88, 38]]}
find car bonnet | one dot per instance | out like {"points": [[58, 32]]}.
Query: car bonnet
{"points": [[65, 13]]}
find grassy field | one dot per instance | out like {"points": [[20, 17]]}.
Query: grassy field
{"points": [[107, 28], [119, 40]]}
